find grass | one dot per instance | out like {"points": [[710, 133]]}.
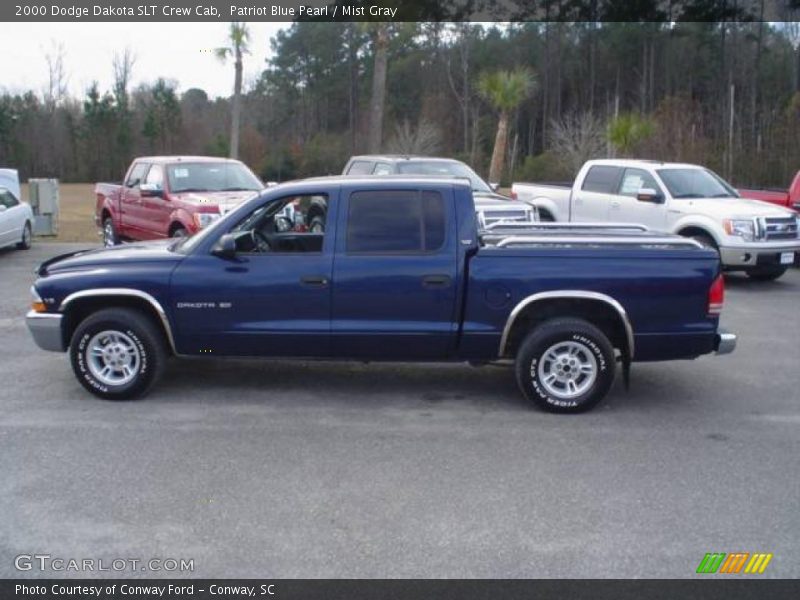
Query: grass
{"points": [[76, 208]]}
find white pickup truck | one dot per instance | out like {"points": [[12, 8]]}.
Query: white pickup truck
{"points": [[752, 236]]}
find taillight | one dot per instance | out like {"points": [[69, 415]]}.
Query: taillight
{"points": [[716, 296]]}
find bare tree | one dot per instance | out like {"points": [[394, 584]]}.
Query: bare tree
{"points": [[381, 36], [425, 138], [57, 79], [578, 137]]}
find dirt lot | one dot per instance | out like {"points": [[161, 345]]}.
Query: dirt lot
{"points": [[77, 213]]}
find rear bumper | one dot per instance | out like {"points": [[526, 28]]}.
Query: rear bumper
{"points": [[46, 330], [758, 254], [724, 342]]}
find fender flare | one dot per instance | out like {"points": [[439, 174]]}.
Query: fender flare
{"points": [[707, 224], [569, 294]]}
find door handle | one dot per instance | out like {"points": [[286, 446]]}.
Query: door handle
{"points": [[614, 204], [436, 281], [314, 280]]}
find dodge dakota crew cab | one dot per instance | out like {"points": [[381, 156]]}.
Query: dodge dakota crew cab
{"points": [[400, 272], [171, 196], [751, 236]]}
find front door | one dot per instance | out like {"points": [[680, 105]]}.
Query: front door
{"points": [[625, 208], [154, 207], [272, 299], [394, 278]]}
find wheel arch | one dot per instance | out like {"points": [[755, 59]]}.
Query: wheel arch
{"points": [[77, 306], [690, 228], [601, 310]]}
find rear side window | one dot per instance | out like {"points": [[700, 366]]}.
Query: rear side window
{"points": [[360, 167], [382, 169], [601, 179], [395, 222], [136, 175]]}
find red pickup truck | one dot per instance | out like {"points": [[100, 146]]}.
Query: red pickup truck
{"points": [[789, 198], [171, 196]]}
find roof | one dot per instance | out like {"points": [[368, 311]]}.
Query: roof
{"points": [[637, 162], [183, 158], [384, 180], [399, 157]]}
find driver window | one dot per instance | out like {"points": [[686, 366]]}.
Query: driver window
{"points": [[292, 225], [155, 175], [635, 179]]}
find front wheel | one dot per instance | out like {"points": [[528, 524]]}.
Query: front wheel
{"points": [[110, 237], [766, 273], [117, 353], [565, 365]]}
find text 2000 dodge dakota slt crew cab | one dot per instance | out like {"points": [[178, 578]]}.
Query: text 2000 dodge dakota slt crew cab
{"points": [[400, 272]]}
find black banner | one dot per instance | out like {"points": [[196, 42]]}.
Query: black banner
{"points": [[398, 10], [398, 589]]}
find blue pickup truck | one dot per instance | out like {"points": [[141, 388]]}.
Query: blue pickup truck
{"points": [[400, 272]]}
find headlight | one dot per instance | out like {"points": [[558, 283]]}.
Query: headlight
{"points": [[37, 304], [743, 228], [797, 225], [205, 219]]}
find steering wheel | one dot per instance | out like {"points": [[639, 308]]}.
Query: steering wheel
{"points": [[261, 242], [283, 223]]}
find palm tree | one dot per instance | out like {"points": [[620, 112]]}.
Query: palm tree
{"points": [[239, 39], [505, 91], [626, 132]]}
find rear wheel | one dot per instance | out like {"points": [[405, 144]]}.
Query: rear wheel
{"points": [[770, 273], [565, 365], [179, 232], [110, 237], [117, 353], [25, 241]]}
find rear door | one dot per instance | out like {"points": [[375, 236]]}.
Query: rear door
{"points": [[395, 276], [591, 203], [625, 208], [131, 210]]}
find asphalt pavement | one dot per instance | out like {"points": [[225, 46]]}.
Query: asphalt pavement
{"points": [[301, 469]]}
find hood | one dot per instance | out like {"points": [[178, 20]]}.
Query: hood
{"points": [[226, 201], [157, 250], [729, 208]]}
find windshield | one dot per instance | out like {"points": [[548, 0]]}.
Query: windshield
{"points": [[444, 169], [695, 183], [211, 177]]}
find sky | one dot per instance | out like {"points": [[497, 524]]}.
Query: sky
{"points": [[181, 52]]}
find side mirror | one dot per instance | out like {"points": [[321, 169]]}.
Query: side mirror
{"points": [[225, 247], [648, 195], [495, 186], [149, 190]]}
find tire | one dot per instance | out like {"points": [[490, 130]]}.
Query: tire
{"points": [[547, 359], [545, 216], [317, 224], [179, 232], [25, 243], [110, 237], [706, 240], [770, 273], [127, 337]]}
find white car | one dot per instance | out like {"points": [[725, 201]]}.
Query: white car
{"points": [[16, 218], [756, 237]]}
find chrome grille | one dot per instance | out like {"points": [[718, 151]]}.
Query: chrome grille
{"points": [[778, 228]]}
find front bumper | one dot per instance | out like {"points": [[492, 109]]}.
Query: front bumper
{"points": [[724, 342], [757, 254], [46, 330]]}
